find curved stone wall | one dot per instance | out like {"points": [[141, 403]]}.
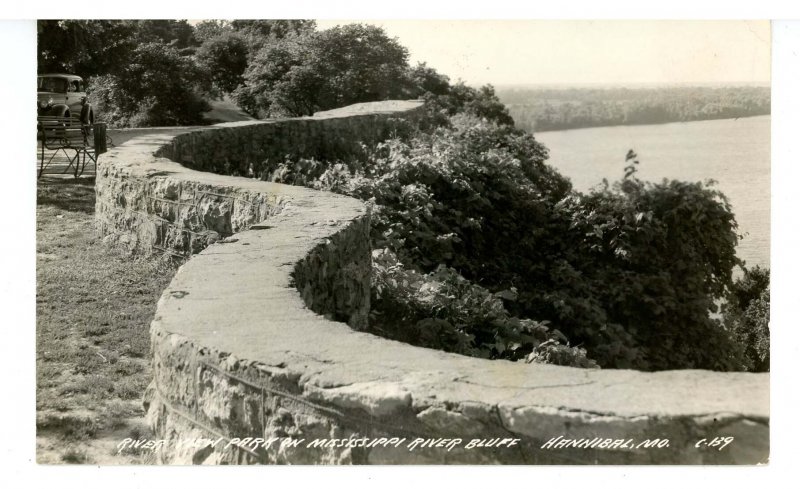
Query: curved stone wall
{"points": [[251, 351], [248, 148]]}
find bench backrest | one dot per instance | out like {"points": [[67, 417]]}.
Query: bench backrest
{"points": [[67, 132]]}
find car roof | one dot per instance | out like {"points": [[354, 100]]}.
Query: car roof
{"points": [[62, 75]]}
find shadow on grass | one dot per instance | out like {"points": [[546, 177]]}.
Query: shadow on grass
{"points": [[69, 194]]}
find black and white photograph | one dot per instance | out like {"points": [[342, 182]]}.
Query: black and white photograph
{"points": [[316, 241]]}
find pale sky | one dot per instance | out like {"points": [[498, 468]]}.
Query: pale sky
{"points": [[504, 52]]}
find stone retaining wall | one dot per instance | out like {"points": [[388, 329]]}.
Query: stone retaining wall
{"points": [[249, 148], [249, 341]]}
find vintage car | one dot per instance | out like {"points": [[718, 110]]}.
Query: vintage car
{"points": [[61, 95]]}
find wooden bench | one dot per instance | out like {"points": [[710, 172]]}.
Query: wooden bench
{"points": [[80, 143]]}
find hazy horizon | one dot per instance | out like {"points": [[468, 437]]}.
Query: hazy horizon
{"points": [[634, 85], [587, 53]]}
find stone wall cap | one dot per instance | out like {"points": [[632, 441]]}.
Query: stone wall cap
{"points": [[238, 298]]}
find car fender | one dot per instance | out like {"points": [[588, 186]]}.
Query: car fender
{"points": [[57, 110], [60, 110]]}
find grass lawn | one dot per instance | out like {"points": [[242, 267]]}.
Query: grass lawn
{"points": [[94, 304]]}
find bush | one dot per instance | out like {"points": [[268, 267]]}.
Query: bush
{"points": [[442, 310], [460, 196], [746, 315], [638, 273], [461, 99], [631, 271]]}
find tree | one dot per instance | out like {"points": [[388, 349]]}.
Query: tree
{"points": [[300, 74], [262, 32], [360, 64], [224, 59], [157, 87], [426, 80], [270, 75], [460, 98], [274, 28], [138, 72], [177, 33], [84, 47], [304, 71], [207, 29]]}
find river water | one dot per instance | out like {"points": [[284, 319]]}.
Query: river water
{"points": [[734, 152]]}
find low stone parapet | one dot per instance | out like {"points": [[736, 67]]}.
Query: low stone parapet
{"points": [[258, 355]]}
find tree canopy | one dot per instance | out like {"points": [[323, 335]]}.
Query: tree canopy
{"points": [[224, 57], [300, 74], [84, 47], [271, 68], [155, 88]]}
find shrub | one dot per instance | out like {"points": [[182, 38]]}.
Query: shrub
{"points": [[631, 271], [746, 315], [640, 268], [482, 102], [443, 310], [460, 196]]}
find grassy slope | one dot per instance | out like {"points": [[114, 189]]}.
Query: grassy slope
{"points": [[94, 307]]}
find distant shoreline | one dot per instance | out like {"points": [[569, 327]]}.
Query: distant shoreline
{"points": [[646, 124], [540, 110], [626, 86]]}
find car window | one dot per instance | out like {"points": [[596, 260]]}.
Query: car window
{"points": [[51, 84]]}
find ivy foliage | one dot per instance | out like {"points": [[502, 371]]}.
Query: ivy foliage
{"points": [[646, 265], [443, 310], [746, 313], [631, 271]]}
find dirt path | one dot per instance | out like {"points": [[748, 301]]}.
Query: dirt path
{"points": [[222, 111], [226, 111]]}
